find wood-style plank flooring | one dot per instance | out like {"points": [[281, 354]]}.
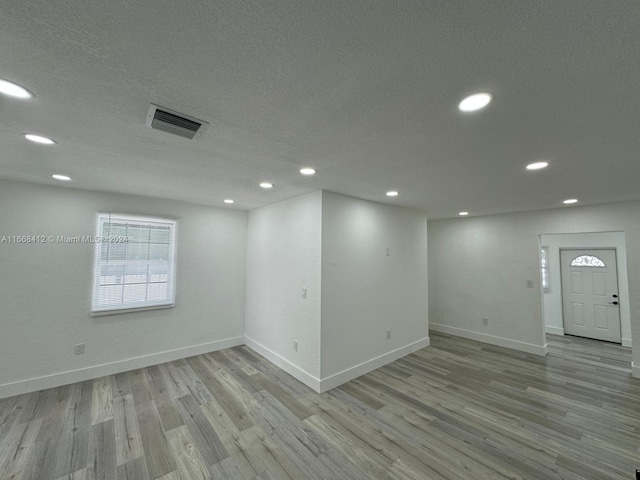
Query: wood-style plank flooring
{"points": [[456, 410]]}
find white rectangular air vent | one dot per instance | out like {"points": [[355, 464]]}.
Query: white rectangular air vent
{"points": [[161, 118]]}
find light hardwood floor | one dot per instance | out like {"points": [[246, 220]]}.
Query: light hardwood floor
{"points": [[456, 410]]}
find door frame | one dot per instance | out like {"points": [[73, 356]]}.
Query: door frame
{"points": [[552, 300]]}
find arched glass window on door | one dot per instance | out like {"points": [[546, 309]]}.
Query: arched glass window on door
{"points": [[587, 261]]}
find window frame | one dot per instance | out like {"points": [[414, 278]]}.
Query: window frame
{"points": [[545, 273], [98, 309]]}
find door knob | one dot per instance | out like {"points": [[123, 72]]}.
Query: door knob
{"points": [[613, 303], [615, 296]]}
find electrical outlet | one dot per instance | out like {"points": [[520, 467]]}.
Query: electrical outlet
{"points": [[485, 321], [388, 334], [79, 348], [295, 345], [529, 283]]}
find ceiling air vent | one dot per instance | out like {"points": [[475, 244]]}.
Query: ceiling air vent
{"points": [[161, 118]]}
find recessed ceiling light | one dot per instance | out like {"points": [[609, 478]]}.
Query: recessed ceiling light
{"points": [[537, 165], [307, 171], [463, 214], [228, 200], [266, 185], [392, 193], [475, 102], [569, 201], [38, 139], [62, 178], [14, 90]]}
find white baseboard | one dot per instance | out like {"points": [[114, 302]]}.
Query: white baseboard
{"points": [[339, 378], [493, 340], [626, 342], [97, 371], [635, 370], [293, 370], [348, 374], [554, 330]]}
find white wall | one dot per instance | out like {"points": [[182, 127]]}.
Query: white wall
{"points": [[45, 289], [335, 247], [283, 257], [478, 267], [552, 302], [364, 291]]}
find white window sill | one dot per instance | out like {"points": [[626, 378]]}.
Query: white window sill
{"points": [[100, 313]]}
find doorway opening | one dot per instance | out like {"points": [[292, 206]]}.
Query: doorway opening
{"points": [[595, 315]]}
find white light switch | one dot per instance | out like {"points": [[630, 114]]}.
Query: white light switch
{"points": [[529, 283], [304, 292]]}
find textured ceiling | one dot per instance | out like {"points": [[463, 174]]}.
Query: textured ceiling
{"points": [[364, 91]]}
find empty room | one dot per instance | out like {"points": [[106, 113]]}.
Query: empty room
{"points": [[368, 239]]}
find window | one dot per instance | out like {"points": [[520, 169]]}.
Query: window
{"points": [[587, 261], [134, 263], [544, 269]]}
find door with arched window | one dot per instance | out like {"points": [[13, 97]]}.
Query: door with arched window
{"points": [[590, 303]]}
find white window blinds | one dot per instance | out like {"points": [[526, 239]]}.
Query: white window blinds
{"points": [[134, 263]]}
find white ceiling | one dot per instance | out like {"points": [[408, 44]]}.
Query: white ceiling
{"points": [[364, 91]]}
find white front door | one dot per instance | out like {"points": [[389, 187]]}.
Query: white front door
{"points": [[590, 294]]}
